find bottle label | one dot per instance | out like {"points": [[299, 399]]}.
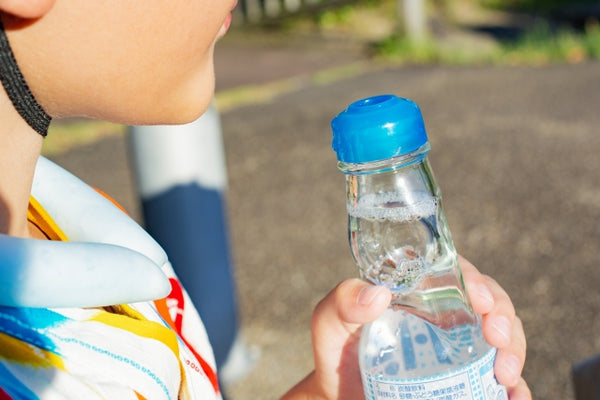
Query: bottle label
{"points": [[475, 381]]}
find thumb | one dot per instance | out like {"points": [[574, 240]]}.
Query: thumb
{"points": [[336, 324], [351, 304]]}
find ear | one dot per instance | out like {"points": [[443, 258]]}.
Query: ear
{"points": [[26, 9]]}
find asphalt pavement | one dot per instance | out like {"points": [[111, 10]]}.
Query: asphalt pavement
{"points": [[514, 149]]}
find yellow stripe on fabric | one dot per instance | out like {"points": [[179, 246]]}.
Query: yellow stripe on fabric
{"points": [[118, 316], [38, 216], [126, 318], [24, 353]]}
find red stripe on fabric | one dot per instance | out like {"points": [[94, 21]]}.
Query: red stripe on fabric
{"points": [[164, 306], [210, 373], [175, 301], [4, 395]]}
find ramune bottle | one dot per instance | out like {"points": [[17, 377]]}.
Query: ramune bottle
{"points": [[428, 344]]}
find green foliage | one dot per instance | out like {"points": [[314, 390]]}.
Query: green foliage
{"points": [[400, 48], [531, 5], [592, 40], [349, 14], [336, 16], [538, 45], [541, 45]]}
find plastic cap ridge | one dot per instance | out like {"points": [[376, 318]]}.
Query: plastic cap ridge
{"points": [[376, 128]]}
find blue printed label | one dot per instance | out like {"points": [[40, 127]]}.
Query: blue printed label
{"points": [[475, 381]]}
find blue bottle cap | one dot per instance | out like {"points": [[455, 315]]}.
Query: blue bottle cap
{"points": [[377, 128]]}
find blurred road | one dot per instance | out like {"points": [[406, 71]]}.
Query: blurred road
{"points": [[515, 151]]}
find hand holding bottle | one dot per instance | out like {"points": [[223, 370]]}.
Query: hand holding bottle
{"points": [[423, 336], [338, 318]]}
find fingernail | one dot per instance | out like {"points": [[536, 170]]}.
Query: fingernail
{"points": [[367, 294], [484, 293], [512, 365], [503, 326]]}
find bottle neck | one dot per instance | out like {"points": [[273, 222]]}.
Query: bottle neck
{"points": [[385, 165], [399, 235], [403, 183]]}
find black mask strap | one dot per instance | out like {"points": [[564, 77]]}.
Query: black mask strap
{"points": [[17, 89]]}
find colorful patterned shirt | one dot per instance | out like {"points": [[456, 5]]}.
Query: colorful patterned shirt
{"points": [[148, 350]]}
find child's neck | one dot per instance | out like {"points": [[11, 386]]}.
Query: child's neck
{"points": [[20, 149]]}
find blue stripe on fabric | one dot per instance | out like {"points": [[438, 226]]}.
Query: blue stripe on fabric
{"points": [[14, 387], [43, 317], [119, 358], [29, 325]]}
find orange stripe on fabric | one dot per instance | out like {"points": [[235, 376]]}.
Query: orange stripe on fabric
{"points": [[139, 396], [163, 311], [107, 197], [37, 215]]}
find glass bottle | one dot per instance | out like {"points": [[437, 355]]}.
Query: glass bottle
{"points": [[428, 344]]}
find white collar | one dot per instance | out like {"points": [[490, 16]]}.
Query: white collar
{"points": [[109, 259]]}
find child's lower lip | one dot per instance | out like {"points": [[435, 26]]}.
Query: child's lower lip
{"points": [[225, 26], [228, 21], [229, 17]]}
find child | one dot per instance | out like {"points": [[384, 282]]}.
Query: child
{"points": [[88, 318]]}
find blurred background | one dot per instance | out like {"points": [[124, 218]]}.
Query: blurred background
{"points": [[509, 91]]}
